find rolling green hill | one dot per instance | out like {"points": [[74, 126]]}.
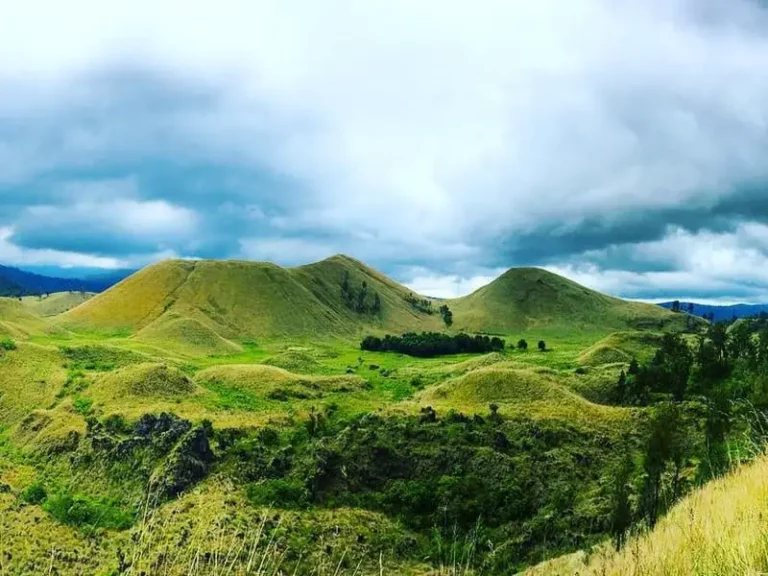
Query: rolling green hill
{"points": [[209, 306], [214, 306], [532, 298]]}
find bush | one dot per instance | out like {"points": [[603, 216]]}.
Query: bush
{"points": [[84, 511], [278, 493], [82, 405], [7, 343], [34, 494]]}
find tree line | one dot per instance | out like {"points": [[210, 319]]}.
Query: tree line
{"points": [[430, 344]]}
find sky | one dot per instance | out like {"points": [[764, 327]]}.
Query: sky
{"points": [[623, 144]]}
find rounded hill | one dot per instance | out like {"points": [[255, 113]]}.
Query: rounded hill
{"points": [[524, 298]]}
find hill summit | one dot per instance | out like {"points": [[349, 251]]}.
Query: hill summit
{"points": [[212, 305]]}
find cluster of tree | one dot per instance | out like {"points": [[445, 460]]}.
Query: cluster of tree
{"points": [[421, 304], [706, 396], [680, 370], [429, 344], [446, 315], [361, 300]]}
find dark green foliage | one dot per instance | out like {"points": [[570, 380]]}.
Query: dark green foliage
{"points": [[34, 494], [542, 346], [621, 518], [88, 512], [535, 486], [279, 493], [669, 451], [446, 315], [522, 345], [429, 344]]}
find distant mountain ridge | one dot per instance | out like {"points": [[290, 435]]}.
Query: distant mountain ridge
{"points": [[719, 313], [16, 282]]}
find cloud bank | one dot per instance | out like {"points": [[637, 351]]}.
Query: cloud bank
{"points": [[622, 144]]}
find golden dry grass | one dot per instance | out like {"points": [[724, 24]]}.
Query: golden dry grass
{"points": [[720, 529]]}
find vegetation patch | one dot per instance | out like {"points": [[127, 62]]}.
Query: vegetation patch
{"points": [[430, 344]]}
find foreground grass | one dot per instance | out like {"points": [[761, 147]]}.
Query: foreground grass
{"points": [[720, 529]]}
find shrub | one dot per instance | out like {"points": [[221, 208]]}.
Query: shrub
{"points": [[84, 511], [7, 343], [82, 405], [34, 494], [279, 493]]}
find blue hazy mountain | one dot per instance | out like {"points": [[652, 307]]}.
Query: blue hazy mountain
{"points": [[17, 282], [718, 313]]}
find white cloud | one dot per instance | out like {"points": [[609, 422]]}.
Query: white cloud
{"points": [[426, 130], [723, 267], [449, 286]]}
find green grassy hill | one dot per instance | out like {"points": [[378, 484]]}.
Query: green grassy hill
{"points": [[213, 307], [56, 303], [532, 298]]}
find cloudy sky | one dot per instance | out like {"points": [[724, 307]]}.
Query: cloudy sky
{"points": [[621, 143]]}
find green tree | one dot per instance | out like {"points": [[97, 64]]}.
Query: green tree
{"points": [[621, 517], [522, 344], [542, 345], [447, 315]]}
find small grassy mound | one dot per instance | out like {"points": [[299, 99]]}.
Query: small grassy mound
{"points": [[274, 383], [30, 378], [298, 360], [720, 529], [51, 431], [187, 335], [601, 354], [621, 347], [143, 381], [501, 386]]}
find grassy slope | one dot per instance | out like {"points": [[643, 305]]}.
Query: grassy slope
{"points": [[720, 529], [56, 303], [532, 298], [17, 321]]}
